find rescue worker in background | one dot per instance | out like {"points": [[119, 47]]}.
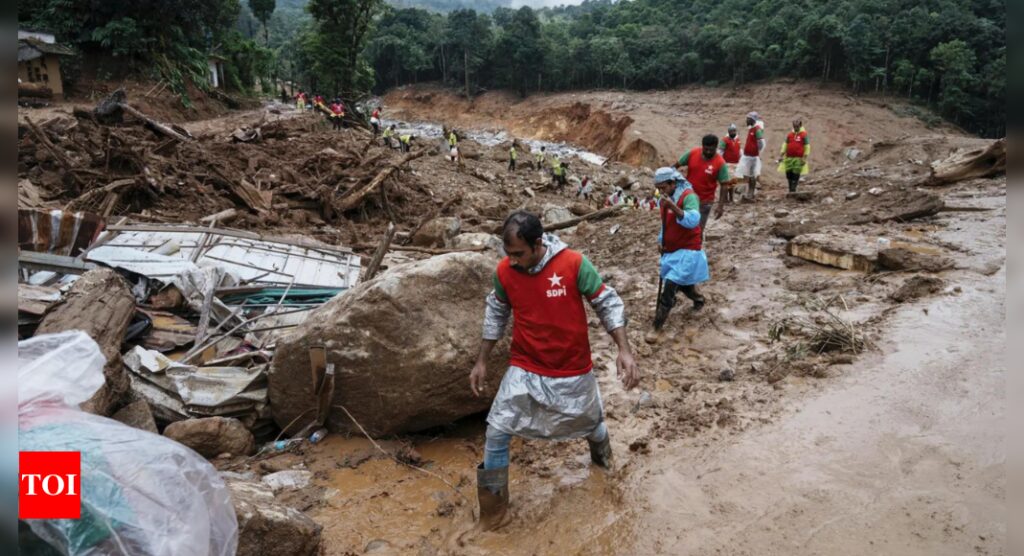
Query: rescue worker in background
{"points": [[558, 171], [453, 146], [318, 101], [749, 166], [406, 142], [586, 189], [683, 263], [375, 121], [337, 113], [795, 151], [706, 170], [513, 154], [539, 158], [548, 391], [300, 101], [388, 134], [729, 148]]}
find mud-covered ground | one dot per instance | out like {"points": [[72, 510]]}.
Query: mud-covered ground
{"points": [[742, 438]]}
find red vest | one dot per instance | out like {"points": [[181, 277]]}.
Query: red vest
{"points": [[795, 144], [336, 109], [375, 114], [750, 148], [674, 236], [549, 324], [703, 174], [732, 149]]}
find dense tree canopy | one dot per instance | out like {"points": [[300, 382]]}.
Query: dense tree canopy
{"points": [[950, 54]]}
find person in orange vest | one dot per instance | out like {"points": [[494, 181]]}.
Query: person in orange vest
{"points": [[300, 101], [729, 148], [337, 113], [683, 263], [549, 391], [749, 166], [795, 151], [706, 170]]}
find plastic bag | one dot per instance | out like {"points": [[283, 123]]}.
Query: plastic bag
{"points": [[142, 494]]}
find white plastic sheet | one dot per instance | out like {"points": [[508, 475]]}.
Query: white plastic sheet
{"points": [[142, 494]]}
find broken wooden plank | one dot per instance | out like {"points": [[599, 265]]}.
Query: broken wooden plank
{"points": [[382, 249], [223, 216], [983, 163], [35, 300]]}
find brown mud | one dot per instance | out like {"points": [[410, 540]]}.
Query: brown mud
{"points": [[749, 434]]}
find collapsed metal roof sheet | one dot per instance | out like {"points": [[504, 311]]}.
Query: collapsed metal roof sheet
{"points": [[254, 259]]}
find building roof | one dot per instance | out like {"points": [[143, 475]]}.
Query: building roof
{"points": [[31, 48]]}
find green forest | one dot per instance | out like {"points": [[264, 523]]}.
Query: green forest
{"points": [[945, 54]]}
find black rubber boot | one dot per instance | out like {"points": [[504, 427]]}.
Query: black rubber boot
{"points": [[601, 452], [492, 495]]}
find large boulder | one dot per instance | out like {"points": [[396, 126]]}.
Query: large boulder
{"points": [[438, 232], [553, 214], [402, 345], [212, 436], [268, 527]]}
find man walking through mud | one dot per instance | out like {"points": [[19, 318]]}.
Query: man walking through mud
{"points": [[706, 170], [683, 263], [549, 391], [750, 161]]}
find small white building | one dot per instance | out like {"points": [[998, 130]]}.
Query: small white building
{"points": [[216, 71]]}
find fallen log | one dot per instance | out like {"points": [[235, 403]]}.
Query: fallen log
{"points": [[111, 109], [427, 250], [976, 164], [221, 217], [34, 90], [62, 158], [101, 305], [596, 215], [351, 199]]}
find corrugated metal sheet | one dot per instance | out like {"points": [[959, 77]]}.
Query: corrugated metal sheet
{"points": [[252, 260], [57, 231]]}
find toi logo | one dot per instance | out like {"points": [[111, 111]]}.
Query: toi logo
{"points": [[49, 485]]}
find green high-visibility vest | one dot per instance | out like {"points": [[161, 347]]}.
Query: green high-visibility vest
{"points": [[512, 153]]}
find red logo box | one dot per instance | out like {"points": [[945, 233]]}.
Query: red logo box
{"points": [[49, 485]]}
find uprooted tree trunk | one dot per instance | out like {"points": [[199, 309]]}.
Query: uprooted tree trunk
{"points": [[975, 164], [351, 199], [111, 110], [101, 305]]}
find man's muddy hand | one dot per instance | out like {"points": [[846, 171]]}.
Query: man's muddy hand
{"points": [[477, 378]]}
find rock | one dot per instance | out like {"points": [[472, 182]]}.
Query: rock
{"points": [[727, 375], [579, 209], [899, 258], [264, 523], [288, 479], [846, 251], [623, 180], [137, 414], [780, 213], [553, 214], [876, 191], [211, 436], [900, 206], [917, 286], [100, 304], [402, 344], [476, 239], [852, 195], [800, 196], [439, 232], [852, 153], [487, 205], [789, 229], [828, 201]]}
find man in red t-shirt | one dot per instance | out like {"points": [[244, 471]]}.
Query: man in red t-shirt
{"points": [[706, 170], [750, 159], [549, 391]]}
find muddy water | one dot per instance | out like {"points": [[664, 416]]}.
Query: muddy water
{"points": [[490, 138]]}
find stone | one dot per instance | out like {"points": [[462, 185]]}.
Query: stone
{"points": [[780, 213], [904, 258], [403, 345], [137, 414], [846, 251], [852, 195], [579, 209], [212, 436], [876, 191], [438, 232], [553, 214], [264, 523], [477, 239], [288, 479], [727, 375], [789, 229], [852, 153], [917, 286], [800, 196]]}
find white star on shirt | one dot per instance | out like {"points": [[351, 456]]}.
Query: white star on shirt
{"points": [[556, 280]]}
